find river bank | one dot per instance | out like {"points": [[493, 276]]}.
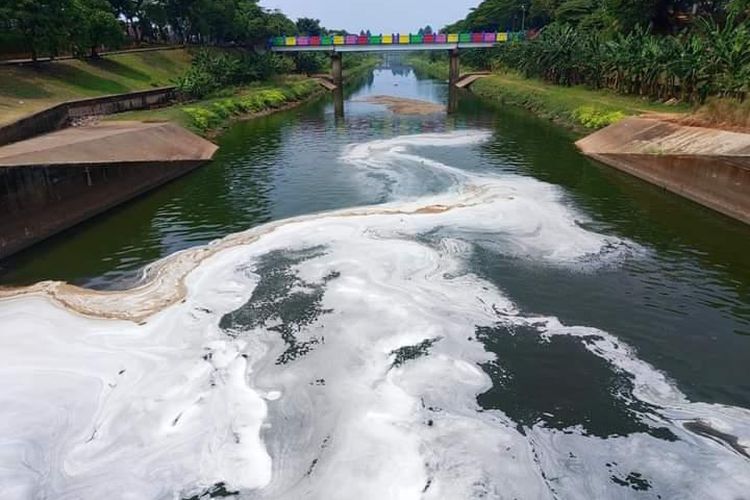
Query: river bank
{"points": [[33, 87], [208, 117], [53, 181], [660, 150], [578, 108]]}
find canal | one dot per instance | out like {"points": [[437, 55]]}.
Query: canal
{"points": [[516, 320]]}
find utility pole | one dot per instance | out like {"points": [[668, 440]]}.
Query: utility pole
{"points": [[523, 17]]}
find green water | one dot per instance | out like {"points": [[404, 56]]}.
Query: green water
{"points": [[684, 305]]}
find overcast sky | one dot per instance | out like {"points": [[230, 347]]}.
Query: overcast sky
{"points": [[379, 16]]}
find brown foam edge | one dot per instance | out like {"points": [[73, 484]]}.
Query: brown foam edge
{"points": [[164, 281]]}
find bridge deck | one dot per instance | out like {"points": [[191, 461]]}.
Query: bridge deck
{"points": [[393, 42], [383, 48]]}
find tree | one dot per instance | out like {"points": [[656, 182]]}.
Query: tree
{"points": [[95, 26], [309, 26], [275, 23], [39, 23]]}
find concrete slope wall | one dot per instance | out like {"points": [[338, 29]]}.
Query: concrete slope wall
{"points": [[708, 166], [39, 201], [58, 116], [52, 182]]}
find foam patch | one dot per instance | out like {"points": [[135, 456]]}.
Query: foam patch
{"points": [[354, 354]]}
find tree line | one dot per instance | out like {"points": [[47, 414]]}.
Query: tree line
{"points": [[608, 16], [662, 49], [82, 27]]}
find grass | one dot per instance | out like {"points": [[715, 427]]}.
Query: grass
{"points": [[30, 88], [578, 108], [209, 115]]}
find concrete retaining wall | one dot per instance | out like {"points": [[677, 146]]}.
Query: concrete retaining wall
{"points": [[60, 115], [708, 166], [39, 201], [54, 181]]}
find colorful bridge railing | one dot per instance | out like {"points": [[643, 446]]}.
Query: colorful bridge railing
{"points": [[396, 39]]}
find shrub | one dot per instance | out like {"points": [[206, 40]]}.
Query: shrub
{"points": [[212, 115], [591, 117], [212, 70], [203, 119]]}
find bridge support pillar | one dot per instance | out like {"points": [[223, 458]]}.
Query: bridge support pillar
{"points": [[455, 69], [338, 102], [336, 69]]}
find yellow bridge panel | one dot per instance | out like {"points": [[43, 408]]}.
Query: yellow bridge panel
{"points": [[403, 39], [338, 40], [388, 39], [502, 37], [452, 37], [290, 40]]}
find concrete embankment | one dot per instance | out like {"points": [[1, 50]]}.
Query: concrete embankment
{"points": [[708, 166], [54, 181], [60, 115]]}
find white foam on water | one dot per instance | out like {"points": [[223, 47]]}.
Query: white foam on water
{"points": [[381, 403]]}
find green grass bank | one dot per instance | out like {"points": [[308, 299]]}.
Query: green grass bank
{"points": [[33, 87], [30, 88], [578, 108], [207, 117]]}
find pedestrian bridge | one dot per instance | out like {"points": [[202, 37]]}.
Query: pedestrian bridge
{"points": [[336, 45], [393, 42]]}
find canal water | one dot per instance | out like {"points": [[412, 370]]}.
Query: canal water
{"points": [[460, 306]]}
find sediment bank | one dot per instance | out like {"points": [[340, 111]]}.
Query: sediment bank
{"points": [[52, 182], [402, 106], [708, 166]]}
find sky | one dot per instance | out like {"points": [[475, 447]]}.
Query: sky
{"points": [[379, 16]]}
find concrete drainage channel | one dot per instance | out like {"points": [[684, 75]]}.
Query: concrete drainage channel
{"points": [[53, 177]]}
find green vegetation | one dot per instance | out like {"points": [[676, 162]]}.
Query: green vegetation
{"points": [[593, 117], [662, 17], [710, 60], [575, 107], [662, 50], [54, 27], [30, 88], [84, 27], [213, 70], [95, 26], [214, 112], [207, 116]]}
